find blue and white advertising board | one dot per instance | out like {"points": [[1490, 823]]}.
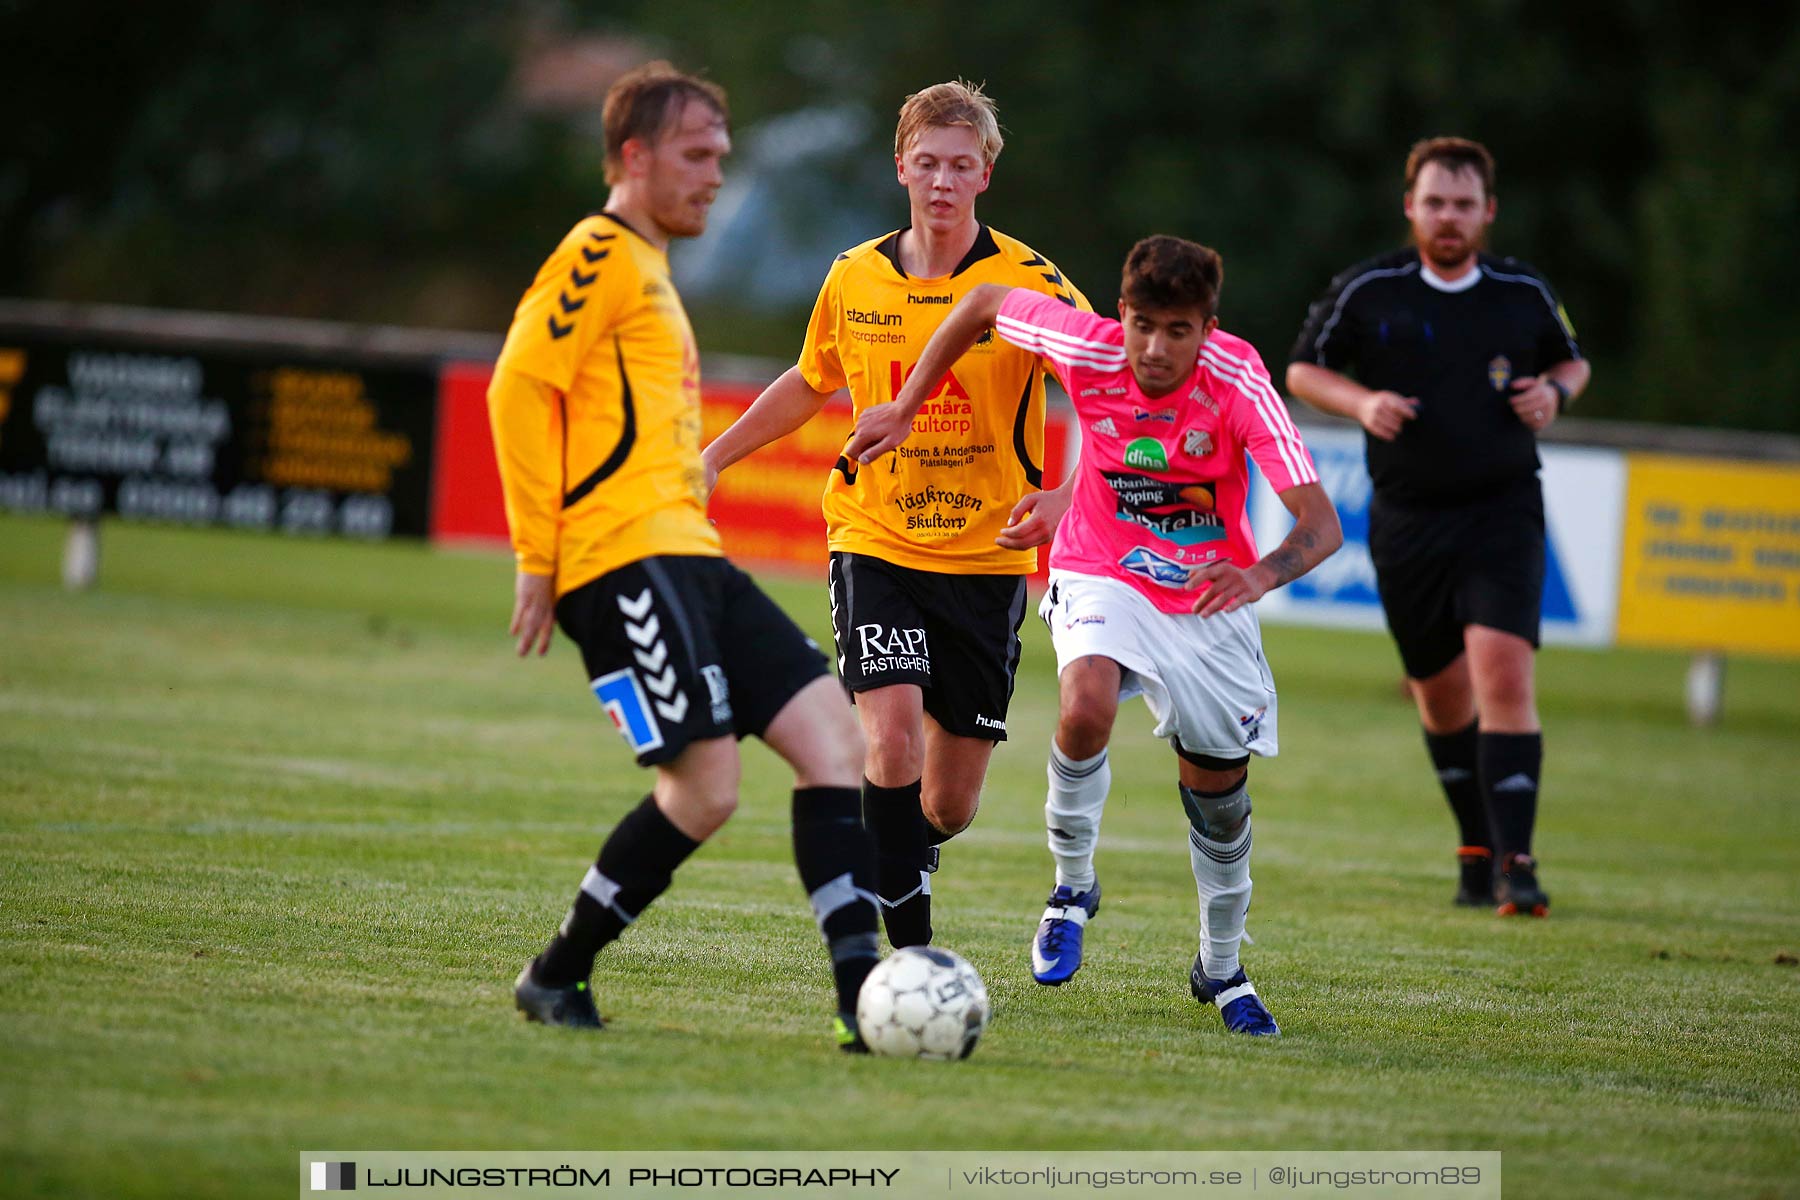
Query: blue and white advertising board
{"points": [[1584, 497]]}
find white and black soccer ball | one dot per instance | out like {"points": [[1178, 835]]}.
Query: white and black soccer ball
{"points": [[922, 1002]]}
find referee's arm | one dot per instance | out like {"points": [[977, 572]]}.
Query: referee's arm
{"points": [[1383, 414], [1539, 399]]}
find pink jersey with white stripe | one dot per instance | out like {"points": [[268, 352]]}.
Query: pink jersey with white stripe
{"points": [[1161, 483]]}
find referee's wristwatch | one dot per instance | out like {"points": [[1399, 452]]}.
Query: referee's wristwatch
{"points": [[1561, 390]]}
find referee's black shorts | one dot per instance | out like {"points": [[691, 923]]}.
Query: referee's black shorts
{"points": [[681, 648], [1442, 568], [954, 636]]}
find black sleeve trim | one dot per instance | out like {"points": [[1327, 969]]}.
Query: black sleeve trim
{"points": [[1034, 475]]}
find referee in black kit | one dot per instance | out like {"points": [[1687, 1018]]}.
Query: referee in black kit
{"points": [[1453, 361]]}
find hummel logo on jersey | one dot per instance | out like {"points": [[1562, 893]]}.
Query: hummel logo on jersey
{"points": [[1146, 562], [989, 723], [915, 298], [1105, 427], [1196, 442], [1519, 782]]}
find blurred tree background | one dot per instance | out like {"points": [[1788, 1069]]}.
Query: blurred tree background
{"points": [[411, 164]]}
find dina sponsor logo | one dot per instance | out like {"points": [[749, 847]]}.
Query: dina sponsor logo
{"points": [[1146, 454]]}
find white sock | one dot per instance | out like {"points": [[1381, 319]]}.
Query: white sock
{"points": [[1222, 875], [1072, 813]]}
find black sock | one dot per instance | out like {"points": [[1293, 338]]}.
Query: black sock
{"points": [[634, 868], [1510, 764], [1454, 756], [902, 839], [836, 863]]}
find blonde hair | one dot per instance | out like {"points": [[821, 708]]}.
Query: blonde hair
{"points": [[944, 105]]}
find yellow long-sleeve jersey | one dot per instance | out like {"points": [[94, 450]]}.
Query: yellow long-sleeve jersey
{"points": [[938, 502], [595, 407]]}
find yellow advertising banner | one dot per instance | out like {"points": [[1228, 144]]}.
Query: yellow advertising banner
{"points": [[1711, 559]]}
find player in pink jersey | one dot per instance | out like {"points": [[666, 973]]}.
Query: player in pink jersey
{"points": [[1153, 574]]}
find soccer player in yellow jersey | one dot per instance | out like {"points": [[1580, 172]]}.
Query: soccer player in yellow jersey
{"points": [[930, 546], [595, 407]]}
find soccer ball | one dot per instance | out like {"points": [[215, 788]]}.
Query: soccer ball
{"points": [[922, 1002]]}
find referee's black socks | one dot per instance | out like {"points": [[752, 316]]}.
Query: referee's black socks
{"points": [[837, 868], [1509, 765], [1455, 757], [634, 868], [902, 850]]}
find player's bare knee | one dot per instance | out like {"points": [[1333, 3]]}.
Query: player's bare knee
{"points": [[1084, 727], [895, 754], [950, 812]]}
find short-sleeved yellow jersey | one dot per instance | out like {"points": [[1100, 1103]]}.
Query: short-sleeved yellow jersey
{"points": [[595, 407], [938, 502]]}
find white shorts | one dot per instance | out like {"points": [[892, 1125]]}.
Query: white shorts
{"points": [[1204, 678]]}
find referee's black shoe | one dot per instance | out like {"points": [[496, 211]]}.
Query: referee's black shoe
{"points": [[571, 1006], [1476, 889], [1518, 893]]}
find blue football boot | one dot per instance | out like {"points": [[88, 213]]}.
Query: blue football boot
{"points": [[1056, 947], [1236, 1001]]}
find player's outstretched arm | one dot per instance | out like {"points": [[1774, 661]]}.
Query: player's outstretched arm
{"points": [[882, 427], [783, 407], [1316, 535], [1383, 414]]}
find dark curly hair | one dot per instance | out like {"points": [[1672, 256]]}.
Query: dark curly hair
{"points": [[1163, 272]]}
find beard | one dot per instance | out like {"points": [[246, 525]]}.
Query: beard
{"points": [[1451, 253]]}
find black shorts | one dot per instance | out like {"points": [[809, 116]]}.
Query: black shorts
{"points": [[679, 649], [1441, 569], [955, 636]]}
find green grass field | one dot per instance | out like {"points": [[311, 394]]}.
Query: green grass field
{"points": [[280, 820]]}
